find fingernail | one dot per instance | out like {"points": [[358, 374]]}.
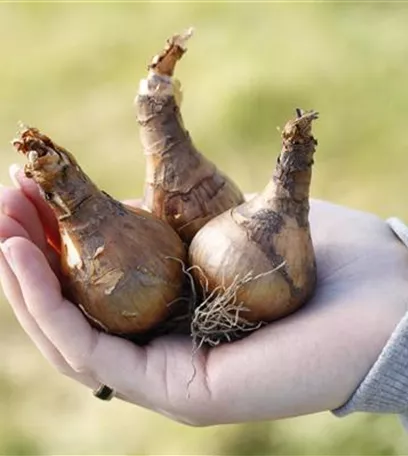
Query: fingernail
{"points": [[13, 170], [5, 249]]}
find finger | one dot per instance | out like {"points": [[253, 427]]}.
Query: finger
{"points": [[15, 204], [45, 214], [110, 360], [13, 294], [9, 227]]}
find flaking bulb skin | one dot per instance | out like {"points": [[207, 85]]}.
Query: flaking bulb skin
{"points": [[258, 259], [182, 186], [118, 263]]}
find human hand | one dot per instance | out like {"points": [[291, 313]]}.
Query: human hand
{"points": [[308, 362]]}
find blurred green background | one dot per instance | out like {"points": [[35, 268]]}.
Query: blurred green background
{"points": [[73, 70]]}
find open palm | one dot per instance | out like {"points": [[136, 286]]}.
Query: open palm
{"points": [[308, 362]]}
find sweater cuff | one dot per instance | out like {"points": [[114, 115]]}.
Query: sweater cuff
{"points": [[385, 387]]}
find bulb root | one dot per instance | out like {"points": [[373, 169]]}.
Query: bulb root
{"points": [[220, 317]]}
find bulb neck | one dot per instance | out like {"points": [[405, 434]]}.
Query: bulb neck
{"points": [[293, 172], [289, 189], [68, 193], [161, 125]]}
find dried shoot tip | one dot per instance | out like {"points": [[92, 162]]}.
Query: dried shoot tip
{"points": [[300, 128], [30, 141], [165, 62], [43, 155]]}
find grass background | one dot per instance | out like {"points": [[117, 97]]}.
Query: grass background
{"points": [[73, 70]]}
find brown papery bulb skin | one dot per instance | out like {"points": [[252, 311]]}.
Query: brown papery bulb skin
{"points": [[115, 260], [269, 232], [182, 187]]}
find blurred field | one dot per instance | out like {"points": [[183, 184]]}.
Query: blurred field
{"points": [[73, 70]]}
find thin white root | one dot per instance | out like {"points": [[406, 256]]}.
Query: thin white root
{"points": [[220, 316], [186, 272]]}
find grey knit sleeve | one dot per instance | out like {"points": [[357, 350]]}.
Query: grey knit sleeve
{"points": [[385, 387]]}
